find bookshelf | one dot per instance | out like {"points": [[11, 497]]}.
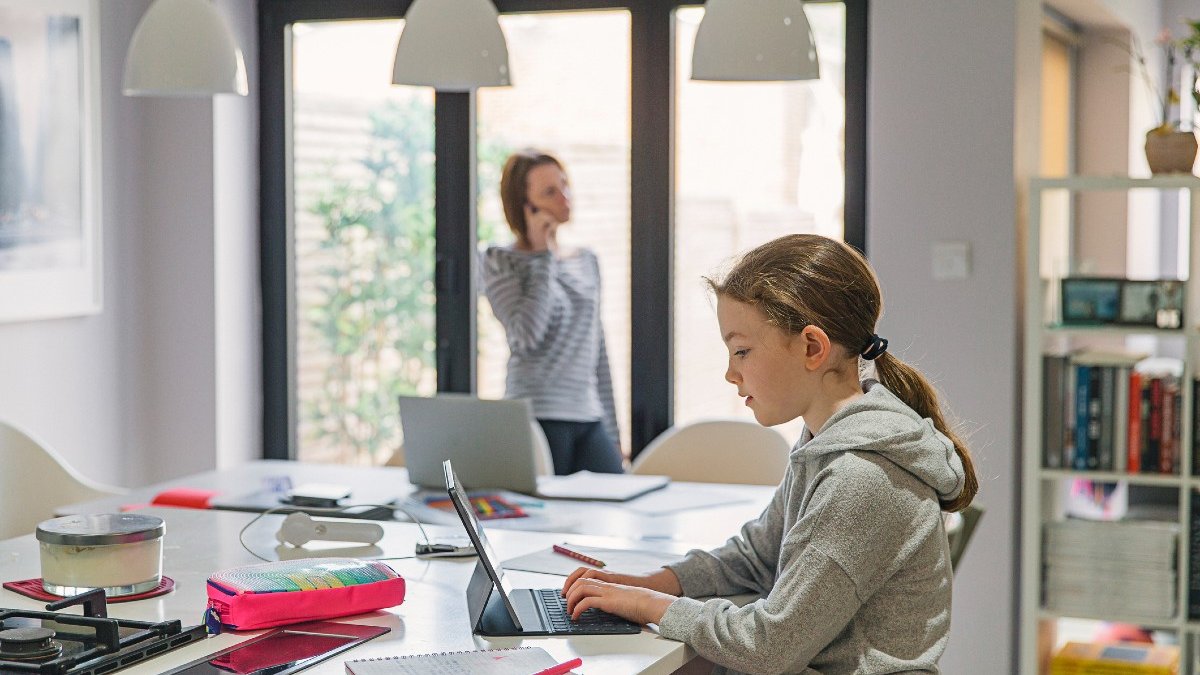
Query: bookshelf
{"points": [[1049, 244]]}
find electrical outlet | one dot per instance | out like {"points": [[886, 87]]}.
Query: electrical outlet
{"points": [[951, 260]]}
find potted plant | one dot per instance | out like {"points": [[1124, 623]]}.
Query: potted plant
{"points": [[1169, 147]]}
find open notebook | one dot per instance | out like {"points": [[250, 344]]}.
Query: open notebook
{"points": [[515, 661]]}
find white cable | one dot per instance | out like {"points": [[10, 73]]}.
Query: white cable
{"points": [[331, 511]]}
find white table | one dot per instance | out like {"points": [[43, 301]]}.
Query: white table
{"points": [[433, 617], [380, 484]]}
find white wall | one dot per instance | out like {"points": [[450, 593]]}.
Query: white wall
{"points": [[942, 153], [129, 396]]}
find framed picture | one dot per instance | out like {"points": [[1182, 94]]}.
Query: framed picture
{"points": [[1091, 300], [1154, 302], [50, 254]]}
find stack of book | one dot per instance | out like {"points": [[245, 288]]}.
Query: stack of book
{"points": [[1112, 411], [1123, 568], [1122, 658]]}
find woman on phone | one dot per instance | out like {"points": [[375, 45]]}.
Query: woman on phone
{"points": [[548, 300]]}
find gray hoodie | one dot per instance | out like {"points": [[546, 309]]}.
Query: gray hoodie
{"points": [[850, 556]]}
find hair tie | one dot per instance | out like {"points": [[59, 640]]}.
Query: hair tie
{"points": [[874, 348]]}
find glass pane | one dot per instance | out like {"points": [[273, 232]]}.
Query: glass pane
{"points": [[754, 161], [575, 106], [362, 210]]}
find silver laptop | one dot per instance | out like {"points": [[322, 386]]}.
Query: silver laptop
{"points": [[497, 608], [490, 441]]}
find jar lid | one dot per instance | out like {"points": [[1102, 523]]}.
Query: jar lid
{"points": [[100, 529]]}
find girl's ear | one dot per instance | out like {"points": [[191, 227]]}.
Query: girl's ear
{"points": [[816, 345]]}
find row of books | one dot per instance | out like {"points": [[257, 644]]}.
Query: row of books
{"points": [[1113, 411], [1105, 568]]}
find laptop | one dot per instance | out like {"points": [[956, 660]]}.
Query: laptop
{"points": [[498, 609], [491, 442]]}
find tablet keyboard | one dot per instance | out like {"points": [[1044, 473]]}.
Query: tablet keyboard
{"points": [[590, 621]]}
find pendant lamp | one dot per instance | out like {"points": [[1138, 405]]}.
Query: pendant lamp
{"points": [[452, 45], [183, 48], [755, 40]]}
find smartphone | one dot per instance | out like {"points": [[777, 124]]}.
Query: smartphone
{"points": [[317, 494]]}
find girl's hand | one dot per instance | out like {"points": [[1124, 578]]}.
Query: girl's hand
{"points": [[540, 229], [640, 605], [663, 580], [638, 597]]}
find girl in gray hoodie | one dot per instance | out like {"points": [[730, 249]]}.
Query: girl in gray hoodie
{"points": [[850, 557]]}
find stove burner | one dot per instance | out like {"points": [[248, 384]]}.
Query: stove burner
{"points": [[28, 644]]}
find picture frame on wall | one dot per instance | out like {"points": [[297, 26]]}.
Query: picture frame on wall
{"points": [[1091, 300], [50, 208], [1152, 302]]}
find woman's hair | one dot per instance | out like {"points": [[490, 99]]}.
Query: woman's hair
{"points": [[806, 279], [514, 187]]}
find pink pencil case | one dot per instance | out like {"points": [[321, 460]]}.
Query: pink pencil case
{"points": [[293, 591]]}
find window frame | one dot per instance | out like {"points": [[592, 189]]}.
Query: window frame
{"points": [[651, 201]]}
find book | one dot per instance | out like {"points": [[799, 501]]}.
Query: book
{"points": [[599, 486], [512, 661], [1119, 658]]}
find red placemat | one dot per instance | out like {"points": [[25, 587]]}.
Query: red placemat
{"points": [[32, 588]]}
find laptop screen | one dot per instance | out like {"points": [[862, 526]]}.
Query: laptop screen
{"points": [[487, 556]]}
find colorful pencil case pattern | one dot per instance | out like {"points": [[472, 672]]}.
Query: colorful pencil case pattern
{"points": [[293, 591]]}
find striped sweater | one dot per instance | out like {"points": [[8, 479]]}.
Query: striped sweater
{"points": [[550, 309]]}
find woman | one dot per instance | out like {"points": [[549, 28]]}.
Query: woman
{"points": [[548, 299]]}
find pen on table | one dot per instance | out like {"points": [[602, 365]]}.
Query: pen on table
{"points": [[561, 668], [578, 556]]}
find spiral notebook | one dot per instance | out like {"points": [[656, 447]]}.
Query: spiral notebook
{"points": [[514, 661]]}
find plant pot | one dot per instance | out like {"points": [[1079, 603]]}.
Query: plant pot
{"points": [[1170, 151]]}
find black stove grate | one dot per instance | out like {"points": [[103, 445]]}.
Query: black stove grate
{"points": [[94, 645]]}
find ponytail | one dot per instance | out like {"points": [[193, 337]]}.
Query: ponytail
{"points": [[915, 391]]}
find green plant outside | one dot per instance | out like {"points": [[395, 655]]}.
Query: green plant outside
{"points": [[375, 315]]}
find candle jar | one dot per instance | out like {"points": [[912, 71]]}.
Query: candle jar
{"points": [[118, 552]]}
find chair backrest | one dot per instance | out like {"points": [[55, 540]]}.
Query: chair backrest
{"points": [[960, 527], [717, 451], [34, 481], [543, 461]]}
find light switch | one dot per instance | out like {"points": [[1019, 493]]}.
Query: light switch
{"points": [[951, 260]]}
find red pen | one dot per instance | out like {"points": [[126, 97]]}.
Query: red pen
{"points": [[562, 667], [578, 556]]}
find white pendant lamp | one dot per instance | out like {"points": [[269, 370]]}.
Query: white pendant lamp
{"points": [[758, 40], [452, 45], [183, 48]]}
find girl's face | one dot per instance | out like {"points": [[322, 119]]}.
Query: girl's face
{"points": [[767, 365], [548, 191]]}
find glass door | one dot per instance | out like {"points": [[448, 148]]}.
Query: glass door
{"points": [[362, 268]]}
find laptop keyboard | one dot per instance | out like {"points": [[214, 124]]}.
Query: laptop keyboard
{"points": [[590, 621]]}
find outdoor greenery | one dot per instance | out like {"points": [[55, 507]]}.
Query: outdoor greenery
{"points": [[375, 316]]}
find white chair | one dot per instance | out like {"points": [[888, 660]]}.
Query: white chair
{"points": [[717, 451], [34, 480], [543, 461]]}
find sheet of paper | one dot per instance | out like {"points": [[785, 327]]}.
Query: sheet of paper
{"points": [[547, 561]]}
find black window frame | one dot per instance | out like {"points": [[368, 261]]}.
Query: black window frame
{"points": [[651, 201]]}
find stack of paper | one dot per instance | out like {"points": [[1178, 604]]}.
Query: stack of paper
{"points": [[1123, 568]]}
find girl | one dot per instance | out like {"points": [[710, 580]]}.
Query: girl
{"points": [[851, 555], [548, 300]]}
